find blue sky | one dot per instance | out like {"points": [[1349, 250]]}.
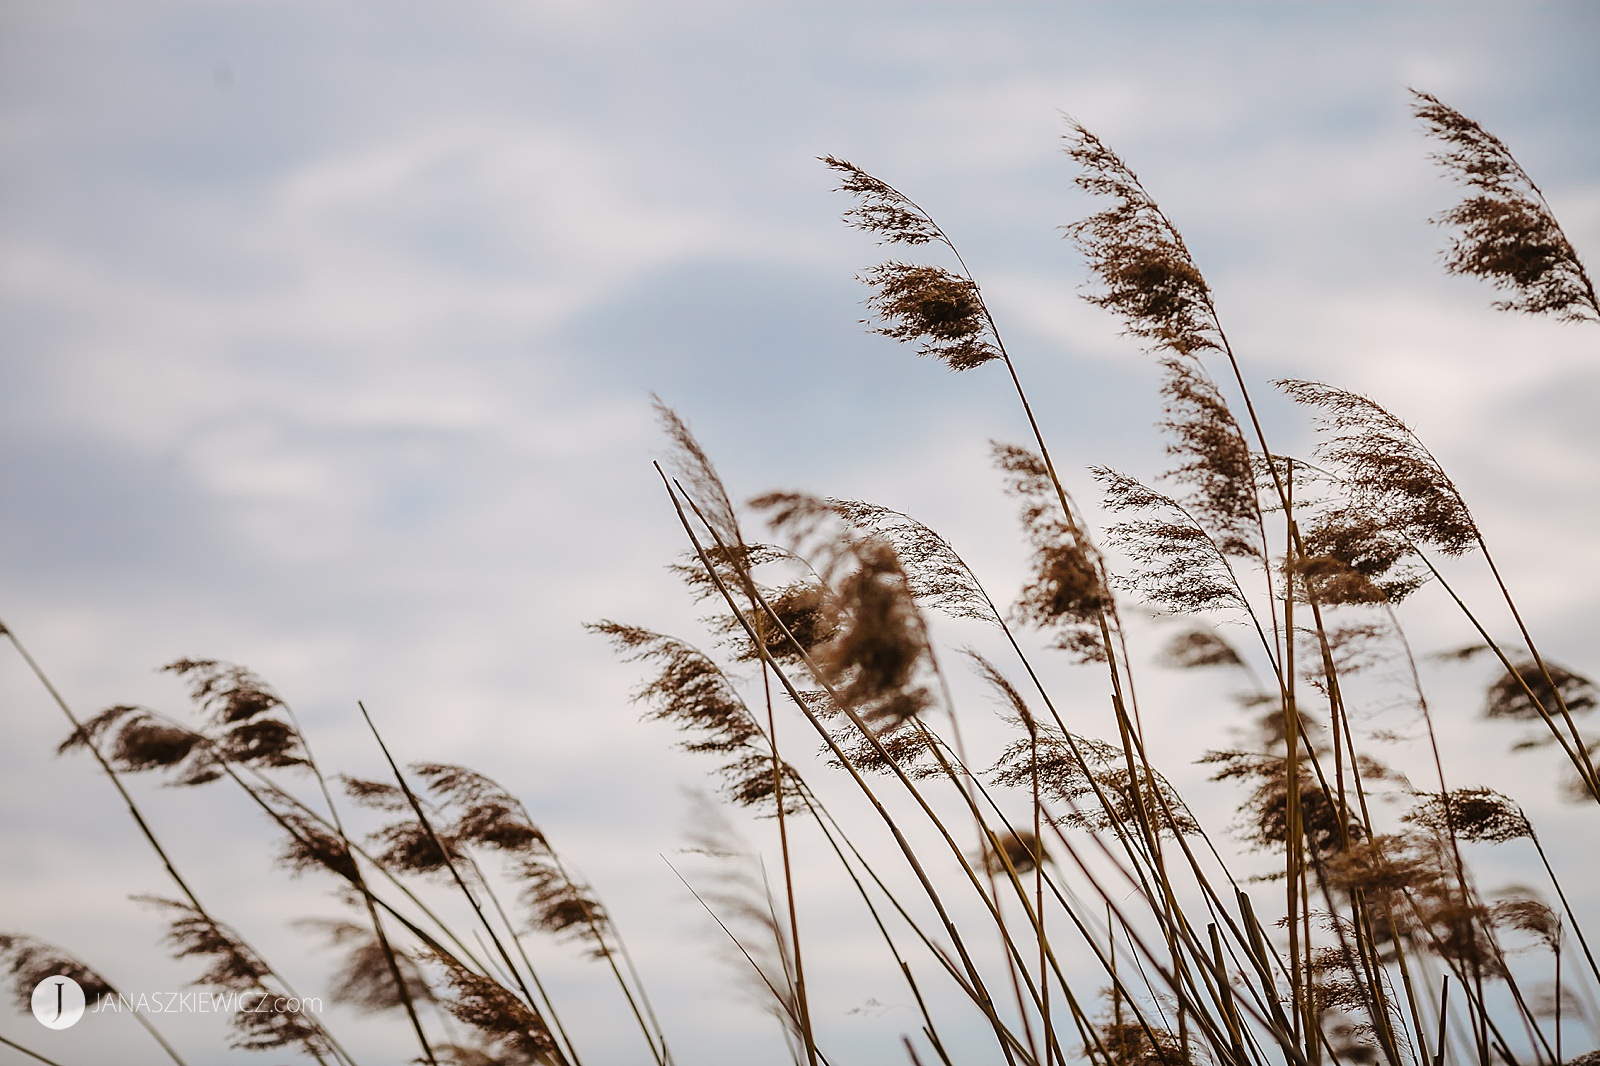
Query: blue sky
{"points": [[327, 335]]}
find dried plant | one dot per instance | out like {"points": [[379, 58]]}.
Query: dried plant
{"points": [[1195, 648], [694, 693], [939, 310], [29, 960], [737, 894], [363, 978], [1091, 778], [1000, 888], [1146, 275], [942, 312], [1326, 825], [1067, 593], [514, 1031], [1017, 852], [937, 577], [882, 210], [1507, 233], [1214, 460], [1471, 814], [1179, 566], [1531, 916], [1387, 470], [236, 967], [485, 815], [1349, 557], [875, 661], [1527, 686]]}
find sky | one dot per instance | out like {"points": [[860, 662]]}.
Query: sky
{"points": [[328, 335]]}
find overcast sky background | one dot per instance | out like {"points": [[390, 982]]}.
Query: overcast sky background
{"points": [[328, 334]]}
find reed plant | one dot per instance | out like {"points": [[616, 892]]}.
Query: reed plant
{"points": [[1055, 892]]}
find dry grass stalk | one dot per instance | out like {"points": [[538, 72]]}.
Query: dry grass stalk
{"points": [[1084, 848]]}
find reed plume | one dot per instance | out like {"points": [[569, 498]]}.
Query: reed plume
{"points": [[1147, 277], [879, 654], [1067, 592], [236, 967], [1506, 232], [694, 694], [939, 310], [29, 960], [1068, 854]]}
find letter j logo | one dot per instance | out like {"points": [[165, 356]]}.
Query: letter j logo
{"points": [[58, 1002]]}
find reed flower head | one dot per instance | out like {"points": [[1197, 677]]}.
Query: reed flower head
{"points": [[1350, 557], [514, 1030], [1389, 473], [1017, 852], [234, 966], [1146, 275], [28, 960], [1507, 234], [941, 311], [1471, 814], [407, 846], [485, 815], [875, 661], [363, 978], [1508, 697], [692, 692], [1130, 1043], [805, 619], [1264, 817], [1196, 648], [1067, 592], [1214, 459], [1178, 565], [310, 846], [937, 577], [135, 739], [1091, 777], [696, 475], [736, 892], [1528, 915], [882, 210]]}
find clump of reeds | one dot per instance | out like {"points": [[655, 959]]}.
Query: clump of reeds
{"points": [[1059, 885]]}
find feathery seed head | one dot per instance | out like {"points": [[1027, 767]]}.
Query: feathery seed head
{"points": [[936, 575], [234, 966], [363, 978], [1020, 852], [941, 311], [1350, 557], [1215, 460], [1506, 233], [880, 648], [1195, 648], [694, 693], [1529, 915], [512, 1028], [1067, 592], [694, 472], [1471, 814], [1178, 565], [1146, 275], [1389, 473], [1509, 697], [883, 210], [29, 960]]}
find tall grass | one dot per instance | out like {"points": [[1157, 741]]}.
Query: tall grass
{"points": [[1053, 892]]}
